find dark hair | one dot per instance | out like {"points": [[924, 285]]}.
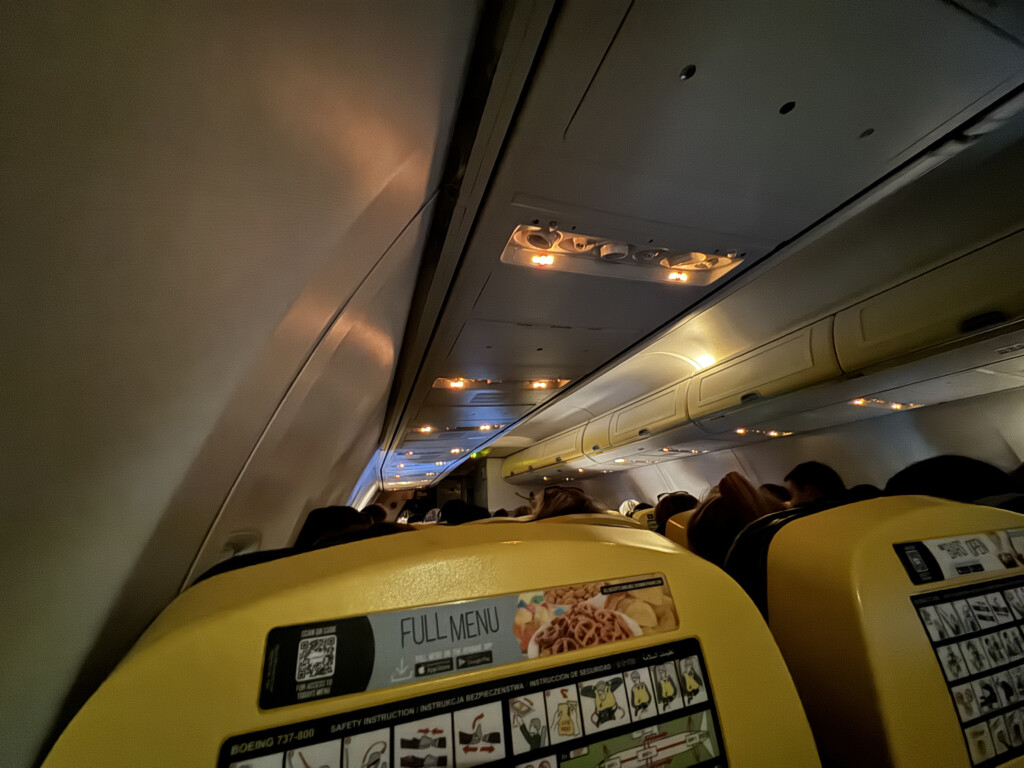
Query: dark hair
{"points": [[719, 520], [817, 475], [373, 532], [780, 492], [457, 512], [672, 504], [376, 513], [957, 478], [326, 521], [560, 500]]}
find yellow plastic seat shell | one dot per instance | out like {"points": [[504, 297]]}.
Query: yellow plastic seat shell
{"points": [[839, 605], [193, 678], [676, 527]]}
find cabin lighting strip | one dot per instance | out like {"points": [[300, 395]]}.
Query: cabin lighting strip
{"points": [[550, 248], [876, 402], [762, 432]]}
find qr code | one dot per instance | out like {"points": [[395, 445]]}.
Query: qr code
{"points": [[316, 657]]}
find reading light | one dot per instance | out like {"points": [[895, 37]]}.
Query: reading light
{"points": [[401, 466], [540, 385], [859, 401], [457, 384], [544, 479], [537, 246], [424, 430], [620, 461], [438, 463], [485, 427], [455, 450], [741, 431], [431, 474], [408, 453], [580, 471]]}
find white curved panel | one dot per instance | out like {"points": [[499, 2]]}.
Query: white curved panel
{"points": [[327, 429], [177, 180]]}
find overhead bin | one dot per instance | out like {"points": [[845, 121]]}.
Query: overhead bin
{"points": [[917, 653], [551, 644], [563, 447], [650, 415], [981, 290], [795, 361]]}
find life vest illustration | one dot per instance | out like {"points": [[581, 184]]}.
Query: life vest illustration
{"points": [[666, 687], [606, 708], [564, 722], [639, 694], [692, 681]]}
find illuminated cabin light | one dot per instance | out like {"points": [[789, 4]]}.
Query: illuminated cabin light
{"points": [[545, 479], [620, 461], [694, 450], [438, 463], [859, 401], [666, 450], [773, 433], [401, 466], [540, 385], [397, 476], [543, 260], [678, 277], [455, 450], [408, 453], [457, 384], [424, 430], [741, 431], [485, 427], [431, 474], [704, 361], [580, 471], [896, 406]]}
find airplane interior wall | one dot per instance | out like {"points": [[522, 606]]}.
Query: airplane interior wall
{"points": [[990, 428], [192, 197]]}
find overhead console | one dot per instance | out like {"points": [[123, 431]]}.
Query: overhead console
{"points": [[491, 645], [863, 361], [917, 653]]}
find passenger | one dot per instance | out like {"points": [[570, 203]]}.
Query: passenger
{"points": [[325, 521], [521, 511], [458, 512], [376, 513], [626, 508], [862, 492], [1017, 478], [957, 478], [720, 518], [501, 513], [374, 531], [672, 504], [813, 481], [777, 492], [558, 500]]}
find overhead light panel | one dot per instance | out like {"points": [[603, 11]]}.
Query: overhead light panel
{"points": [[546, 383], [463, 383], [553, 249]]}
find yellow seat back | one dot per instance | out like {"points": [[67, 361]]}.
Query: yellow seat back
{"points": [[575, 645], [854, 595]]}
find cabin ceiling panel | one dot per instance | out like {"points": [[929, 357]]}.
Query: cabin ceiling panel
{"points": [[470, 415], [488, 349], [848, 67]]}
